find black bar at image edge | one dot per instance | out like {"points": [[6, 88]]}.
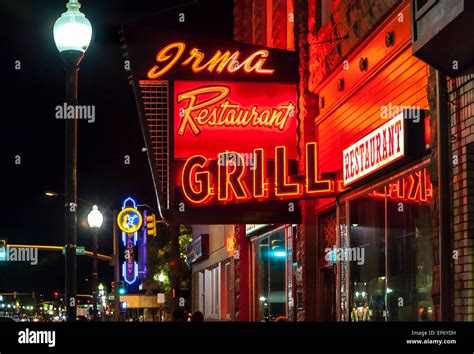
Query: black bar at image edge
{"points": [[233, 337]]}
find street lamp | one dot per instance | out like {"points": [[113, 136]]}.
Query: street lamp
{"points": [[95, 220], [72, 36]]}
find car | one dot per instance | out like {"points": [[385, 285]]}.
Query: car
{"points": [[82, 319], [8, 319]]}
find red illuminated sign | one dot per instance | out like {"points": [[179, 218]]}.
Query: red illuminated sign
{"points": [[231, 243], [205, 181], [219, 111], [214, 117], [228, 61], [415, 188], [378, 149]]}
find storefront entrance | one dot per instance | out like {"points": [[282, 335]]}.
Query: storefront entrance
{"points": [[327, 267], [269, 265], [390, 252]]}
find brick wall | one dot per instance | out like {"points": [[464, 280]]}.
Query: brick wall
{"points": [[351, 20], [461, 96], [433, 174], [264, 22], [307, 107]]}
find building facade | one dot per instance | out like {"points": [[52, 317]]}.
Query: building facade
{"points": [[211, 257], [394, 244]]}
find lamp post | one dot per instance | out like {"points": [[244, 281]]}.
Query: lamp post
{"points": [[95, 220], [72, 36]]}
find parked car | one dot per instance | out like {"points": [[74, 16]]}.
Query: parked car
{"points": [[8, 319], [82, 319]]}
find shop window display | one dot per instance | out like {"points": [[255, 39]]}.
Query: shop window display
{"points": [[393, 227]]}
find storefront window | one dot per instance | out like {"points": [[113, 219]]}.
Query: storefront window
{"points": [[391, 252], [211, 282], [410, 266], [367, 259], [269, 270]]}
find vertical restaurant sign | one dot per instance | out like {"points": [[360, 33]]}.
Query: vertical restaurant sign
{"points": [[129, 220], [213, 117], [380, 148]]}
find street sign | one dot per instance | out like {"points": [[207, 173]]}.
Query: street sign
{"points": [[160, 298], [80, 250]]}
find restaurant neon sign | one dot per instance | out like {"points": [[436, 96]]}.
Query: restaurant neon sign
{"points": [[218, 111], [376, 150], [218, 116]]}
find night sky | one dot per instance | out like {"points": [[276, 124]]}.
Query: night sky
{"points": [[29, 127]]}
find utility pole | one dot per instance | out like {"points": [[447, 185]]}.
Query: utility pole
{"points": [[175, 258], [115, 260]]}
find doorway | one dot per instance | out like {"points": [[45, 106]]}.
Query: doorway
{"points": [[269, 257], [327, 267]]}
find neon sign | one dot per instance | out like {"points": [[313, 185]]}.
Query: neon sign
{"points": [[228, 61], [201, 184], [220, 116], [415, 188], [226, 113], [231, 243], [129, 221], [378, 149]]}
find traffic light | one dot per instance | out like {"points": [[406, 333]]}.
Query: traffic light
{"points": [[151, 225], [56, 294], [121, 288], [113, 287], [3, 250]]}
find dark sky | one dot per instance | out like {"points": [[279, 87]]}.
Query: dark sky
{"points": [[29, 127]]}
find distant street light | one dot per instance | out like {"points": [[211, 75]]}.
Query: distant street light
{"points": [[161, 277], [95, 220], [72, 36], [51, 194]]}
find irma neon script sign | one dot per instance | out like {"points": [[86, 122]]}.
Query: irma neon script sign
{"points": [[380, 148], [230, 62]]}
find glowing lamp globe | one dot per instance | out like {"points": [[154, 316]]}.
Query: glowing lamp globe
{"points": [[72, 31], [95, 217]]}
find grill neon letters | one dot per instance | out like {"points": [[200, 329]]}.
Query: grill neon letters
{"points": [[202, 184]]}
